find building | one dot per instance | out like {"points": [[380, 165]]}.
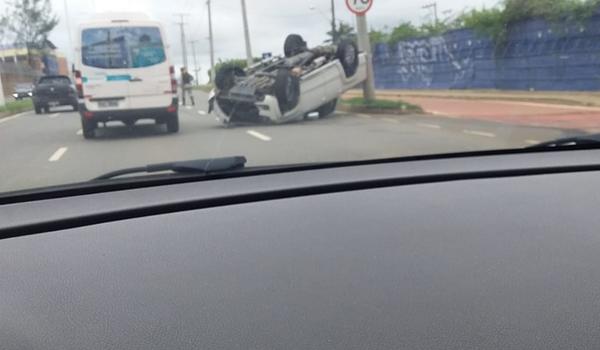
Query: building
{"points": [[16, 66]]}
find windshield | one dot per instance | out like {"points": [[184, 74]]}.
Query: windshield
{"points": [[122, 47], [55, 81], [286, 83]]}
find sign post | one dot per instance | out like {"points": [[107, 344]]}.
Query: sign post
{"points": [[360, 9]]}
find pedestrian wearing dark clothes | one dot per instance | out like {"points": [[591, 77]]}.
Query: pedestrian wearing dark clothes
{"points": [[186, 86]]}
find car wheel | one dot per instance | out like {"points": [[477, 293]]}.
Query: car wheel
{"points": [[75, 107], [347, 54], [225, 78], [38, 109], [294, 44], [173, 124], [287, 90], [89, 128], [327, 109]]}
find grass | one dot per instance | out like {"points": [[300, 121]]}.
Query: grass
{"points": [[14, 107], [381, 105], [206, 88]]}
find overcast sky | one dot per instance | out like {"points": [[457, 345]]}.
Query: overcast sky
{"points": [[270, 21]]}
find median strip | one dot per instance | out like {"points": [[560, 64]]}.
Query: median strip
{"points": [[479, 133], [258, 135], [58, 154]]}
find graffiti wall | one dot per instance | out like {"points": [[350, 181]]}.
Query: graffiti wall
{"points": [[535, 57]]}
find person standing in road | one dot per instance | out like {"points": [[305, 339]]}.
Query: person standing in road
{"points": [[186, 86]]}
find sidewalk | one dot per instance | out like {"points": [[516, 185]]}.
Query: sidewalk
{"points": [[574, 98]]}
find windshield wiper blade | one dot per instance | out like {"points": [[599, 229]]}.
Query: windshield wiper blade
{"points": [[199, 166], [585, 141]]}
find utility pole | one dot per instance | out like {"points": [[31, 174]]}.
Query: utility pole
{"points": [[433, 6], [364, 45], [212, 47], [68, 23], [333, 27], [249, 58], [183, 42], [196, 69], [2, 99]]}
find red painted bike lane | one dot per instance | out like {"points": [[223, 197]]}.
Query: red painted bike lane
{"points": [[513, 112]]}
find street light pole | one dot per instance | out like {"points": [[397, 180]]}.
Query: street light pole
{"points": [[196, 70], [212, 47], [249, 58], [364, 45], [183, 42], [333, 27]]}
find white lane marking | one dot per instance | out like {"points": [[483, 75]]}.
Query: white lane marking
{"points": [[390, 120], [479, 133], [13, 117], [532, 142], [258, 135], [188, 107], [54, 115], [202, 112], [79, 132], [430, 126], [364, 116], [58, 154]]}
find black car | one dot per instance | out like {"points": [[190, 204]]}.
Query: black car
{"points": [[54, 91], [22, 91]]}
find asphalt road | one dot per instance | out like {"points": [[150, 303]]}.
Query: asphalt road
{"points": [[45, 150]]}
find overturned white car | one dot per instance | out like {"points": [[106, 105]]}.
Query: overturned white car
{"points": [[288, 88]]}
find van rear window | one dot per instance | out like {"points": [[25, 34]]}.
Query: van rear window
{"points": [[122, 47]]}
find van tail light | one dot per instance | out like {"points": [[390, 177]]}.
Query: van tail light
{"points": [[79, 84], [173, 80]]}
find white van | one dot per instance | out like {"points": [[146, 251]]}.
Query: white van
{"points": [[123, 73]]}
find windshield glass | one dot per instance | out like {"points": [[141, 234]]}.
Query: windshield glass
{"points": [[122, 47], [55, 81], [287, 83]]}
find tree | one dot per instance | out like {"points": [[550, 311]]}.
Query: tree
{"points": [[29, 22], [343, 32], [404, 31]]}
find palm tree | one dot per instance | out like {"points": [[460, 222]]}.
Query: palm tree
{"points": [[343, 32]]}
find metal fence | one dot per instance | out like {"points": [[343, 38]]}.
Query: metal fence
{"points": [[535, 57]]}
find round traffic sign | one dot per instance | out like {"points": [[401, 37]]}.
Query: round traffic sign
{"points": [[359, 7]]}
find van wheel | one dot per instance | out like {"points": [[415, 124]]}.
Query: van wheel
{"points": [[287, 90], [327, 109], [347, 54], [173, 123], [89, 128]]}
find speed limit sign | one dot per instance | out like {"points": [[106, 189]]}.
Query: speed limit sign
{"points": [[359, 7]]}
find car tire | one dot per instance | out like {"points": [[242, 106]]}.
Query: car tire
{"points": [[287, 90], [75, 107], [327, 109], [294, 44], [347, 54], [89, 128], [173, 124], [225, 78], [38, 109]]}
